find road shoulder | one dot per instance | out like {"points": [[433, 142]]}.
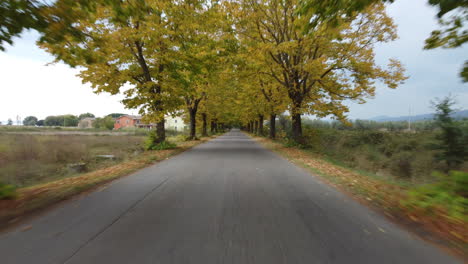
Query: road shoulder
{"points": [[379, 195]]}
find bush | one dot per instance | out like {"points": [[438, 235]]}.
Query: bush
{"points": [[160, 146], [151, 143], [7, 191], [401, 164], [104, 123], [449, 194]]}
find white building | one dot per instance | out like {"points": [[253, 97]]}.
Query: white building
{"points": [[175, 123]]}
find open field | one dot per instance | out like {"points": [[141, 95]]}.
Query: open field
{"points": [[42, 155], [31, 159], [50, 130]]}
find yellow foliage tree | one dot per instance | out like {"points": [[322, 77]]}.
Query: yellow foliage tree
{"points": [[324, 67]]}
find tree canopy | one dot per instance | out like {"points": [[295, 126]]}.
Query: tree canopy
{"points": [[30, 121], [224, 63]]}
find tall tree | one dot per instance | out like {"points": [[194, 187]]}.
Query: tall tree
{"points": [[123, 47], [321, 68], [203, 31], [453, 144]]}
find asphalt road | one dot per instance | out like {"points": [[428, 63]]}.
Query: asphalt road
{"points": [[226, 201]]}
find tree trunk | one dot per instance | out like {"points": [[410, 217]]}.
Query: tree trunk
{"points": [[212, 127], [255, 125], [193, 122], [297, 128], [272, 126], [204, 126], [160, 132], [260, 125]]}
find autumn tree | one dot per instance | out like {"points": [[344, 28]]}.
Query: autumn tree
{"points": [[202, 48], [331, 12], [322, 68], [269, 95], [452, 34], [122, 47]]}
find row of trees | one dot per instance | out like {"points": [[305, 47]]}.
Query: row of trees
{"points": [[221, 62], [106, 122], [310, 72]]}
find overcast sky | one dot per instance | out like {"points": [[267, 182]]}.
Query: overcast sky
{"points": [[29, 87]]}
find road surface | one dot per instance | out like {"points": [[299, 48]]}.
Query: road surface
{"points": [[226, 201]]}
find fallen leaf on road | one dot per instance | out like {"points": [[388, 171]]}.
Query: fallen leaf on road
{"points": [[26, 228]]}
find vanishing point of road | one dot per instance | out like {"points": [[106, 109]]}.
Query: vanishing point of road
{"points": [[225, 201]]}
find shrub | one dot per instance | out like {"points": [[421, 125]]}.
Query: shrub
{"points": [[291, 143], [160, 146], [452, 141], [152, 144], [7, 191], [401, 164], [449, 194]]}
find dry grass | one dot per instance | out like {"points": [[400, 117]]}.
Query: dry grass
{"points": [[379, 193], [33, 198], [27, 160]]}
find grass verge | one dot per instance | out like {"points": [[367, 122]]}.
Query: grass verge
{"points": [[34, 198], [381, 194]]}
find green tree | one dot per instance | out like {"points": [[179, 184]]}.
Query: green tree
{"points": [[104, 123], [453, 144], [453, 33], [115, 115], [70, 120], [40, 122], [53, 121], [9, 122], [85, 115], [17, 15], [30, 121]]}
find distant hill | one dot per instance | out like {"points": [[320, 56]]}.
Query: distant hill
{"points": [[457, 115]]}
